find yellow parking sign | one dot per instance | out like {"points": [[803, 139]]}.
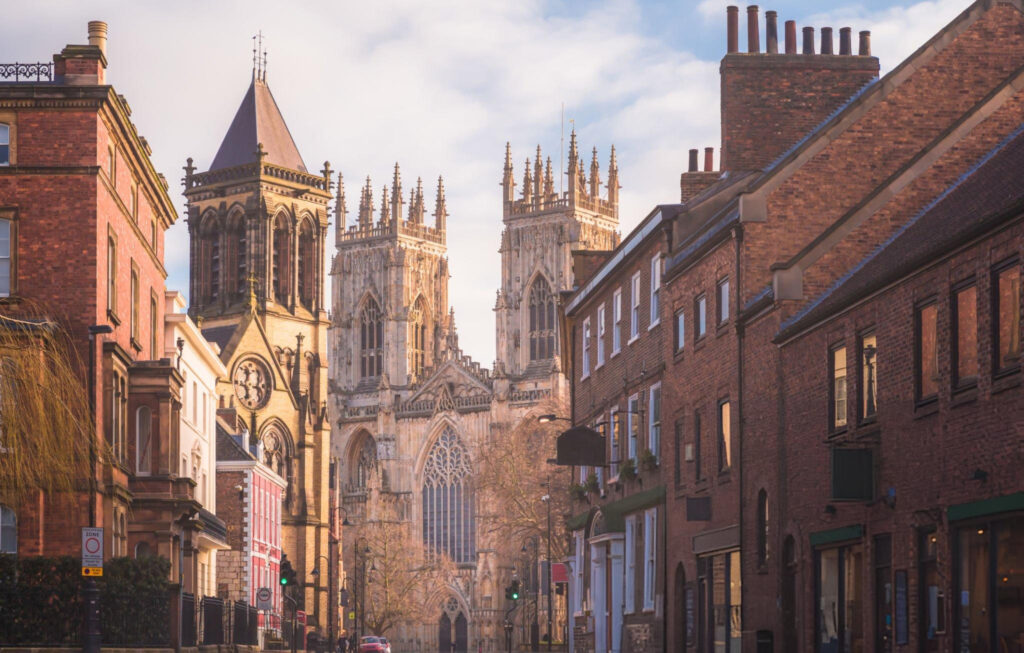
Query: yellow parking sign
{"points": [[92, 571]]}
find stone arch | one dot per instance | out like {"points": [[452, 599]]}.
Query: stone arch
{"points": [[448, 511], [370, 317], [210, 269], [539, 308], [361, 461], [306, 260], [236, 252], [281, 226], [278, 449]]}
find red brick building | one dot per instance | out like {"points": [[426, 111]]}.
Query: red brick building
{"points": [[75, 158]]}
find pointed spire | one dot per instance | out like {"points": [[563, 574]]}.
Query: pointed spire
{"points": [[396, 195], [385, 207], [574, 170], [613, 179], [595, 176], [549, 180], [416, 208], [340, 210], [440, 207], [508, 183], [366, 206], [538, 171], [527, 184], [573, 154]]}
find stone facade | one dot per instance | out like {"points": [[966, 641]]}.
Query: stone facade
{"points": [[403, 392]]}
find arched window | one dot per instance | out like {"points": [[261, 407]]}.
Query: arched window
{"points": [[371, 339], [210, 257], [282, 259], [8, 530], [418, 329], [306, 268], [542, 321], [143, 550], [144, 440], [236, 256], [762, 527], [448, 526], [365, 463]]}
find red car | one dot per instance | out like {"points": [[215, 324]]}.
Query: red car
{"points": [[372, 644]]}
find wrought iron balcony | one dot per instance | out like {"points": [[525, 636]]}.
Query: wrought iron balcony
{"points": [[27, 72]]}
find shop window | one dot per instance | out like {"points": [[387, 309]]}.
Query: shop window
{"points": [[719, 591], [932, 597], [839, 594], [927, 364], [990, 586], [868, 376], [965, 337], [1007, 312], [837, 388]]}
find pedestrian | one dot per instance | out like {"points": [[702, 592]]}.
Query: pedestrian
{"points": [[342, 644]]}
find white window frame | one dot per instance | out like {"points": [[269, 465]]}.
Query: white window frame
{"points": [[650, 557], [586, 349], [680, 326], [629, 587], [654, 434], [634, 308], [655, 307], [701, 317], [600, 335], [723, 301], [616, 321], [577, 573], [632, 408], [615, 453], [5, 139], [7, 257]]}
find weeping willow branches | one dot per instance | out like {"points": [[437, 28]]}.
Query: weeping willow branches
{"points": [[45, 423]]}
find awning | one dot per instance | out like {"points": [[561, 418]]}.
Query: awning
{"points": [[580, 445]]}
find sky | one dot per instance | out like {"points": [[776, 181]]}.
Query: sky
{"points": [[439, 86]]}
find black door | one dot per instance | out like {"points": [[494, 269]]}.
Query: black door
{"points": [[461, 634], [444, 634]]}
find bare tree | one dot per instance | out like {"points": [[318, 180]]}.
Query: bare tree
{"points": [[45, 422]]}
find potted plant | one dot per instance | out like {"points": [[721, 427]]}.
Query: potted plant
{"points": [[627, 470], [578, 492], [590, 485], [648, 460]]}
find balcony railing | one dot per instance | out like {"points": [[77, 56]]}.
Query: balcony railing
{"points": [[27, 72]]}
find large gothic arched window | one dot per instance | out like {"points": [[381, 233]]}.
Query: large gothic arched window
{"points": [[448, 526], [364, 464], [542, 321], [371, 339], [418, 329], [307, 284], [282, 260]]}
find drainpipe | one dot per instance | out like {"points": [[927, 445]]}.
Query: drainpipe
{"points": [[737, 235]]}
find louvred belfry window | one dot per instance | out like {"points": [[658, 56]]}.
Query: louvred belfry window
{"points": [[542, 321], [371, 340], [282, 267], [448, 523], [306, 282]]}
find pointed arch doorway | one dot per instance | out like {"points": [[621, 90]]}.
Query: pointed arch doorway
{"points": [[453, 635]]}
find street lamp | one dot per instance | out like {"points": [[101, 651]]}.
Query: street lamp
{"points": [[316, 595], [90, 593], [547, 499], [545, 419]]}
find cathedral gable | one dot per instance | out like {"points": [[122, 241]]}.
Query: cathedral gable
{"points": [[251, 339], [449, 387]]}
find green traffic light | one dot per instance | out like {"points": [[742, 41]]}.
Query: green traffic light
{"points": [[515, 596], [284, 581]]}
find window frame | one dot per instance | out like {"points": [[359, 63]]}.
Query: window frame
{"points": [[833, 423], [154, 325], [600, 335], [998, 368], [9, 128], [654, 427], [112, 275], [629, 565], [724, 441], [633, 427], [697, 458], [650, 559], [966, 382], [12, 254], [655, 292], [112, 165], [634, 307], [613, 422], [862, 415], [585, 349], [679, 330], [722, 315], [700, 316], [919, 353]]}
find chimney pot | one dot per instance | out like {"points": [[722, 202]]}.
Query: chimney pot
{"points": [[844, 41], [709, 159], [693, 161], [826, 40], [865, 44], [753, 33], [732, 13], [808, 40], [98, 35], [790, 37], [771, 21]]}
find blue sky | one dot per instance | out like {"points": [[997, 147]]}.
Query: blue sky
{"points": [[440, 86]]}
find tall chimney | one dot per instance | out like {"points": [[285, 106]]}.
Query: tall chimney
{"points": [[808, 40], [865, 44], [732, 13], [790, 37], [753, 33], [771, 23], [709, 159], [98, 35], [826, 40], [693, 161], [844, 41]]}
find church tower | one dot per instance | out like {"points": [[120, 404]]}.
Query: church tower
{"points": [[543, 227], [257, 223]]}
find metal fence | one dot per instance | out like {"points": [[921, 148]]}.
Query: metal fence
{"points": [[188, 619]]}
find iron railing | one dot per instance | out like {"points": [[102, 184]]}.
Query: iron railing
{"points": [[27, 72]]}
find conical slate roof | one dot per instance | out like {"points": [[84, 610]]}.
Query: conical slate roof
{"points": [[258, 120]]}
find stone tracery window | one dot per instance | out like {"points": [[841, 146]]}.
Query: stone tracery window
{"points": [[210, 257], [371, 339], [306, 268], [236, 264], [365, 463], [282, 260], [448, 522], [418, 338], [542, 320]]}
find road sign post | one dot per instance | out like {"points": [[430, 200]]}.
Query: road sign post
{"points": [[92, 566], [264, 599]]}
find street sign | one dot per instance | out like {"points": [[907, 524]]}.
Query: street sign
{"points": [[300, 616], [352, 615], [92, 551], [264, 599]]}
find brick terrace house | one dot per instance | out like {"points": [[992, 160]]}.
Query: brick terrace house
{"points": [[614, 322], [71, 155]]}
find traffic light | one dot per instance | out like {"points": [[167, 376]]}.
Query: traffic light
{"points": [[287, 573], [512, 591]]}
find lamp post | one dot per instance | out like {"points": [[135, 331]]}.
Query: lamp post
{"points": [[93, 635], [316, 593], [362, 552], [547, 499]]}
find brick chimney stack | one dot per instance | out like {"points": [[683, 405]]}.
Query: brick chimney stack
{"points": [[84, 64], [770, 100]]}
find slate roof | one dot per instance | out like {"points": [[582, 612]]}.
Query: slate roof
{"points": [[989, 193], [220, 334], [258, 120], [228, 447]]}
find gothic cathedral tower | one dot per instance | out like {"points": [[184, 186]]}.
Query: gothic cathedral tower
{"points": [[257, 223], [542, 230]]}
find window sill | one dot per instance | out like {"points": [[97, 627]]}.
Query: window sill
{"points": [[112, 316], [925, 407], [725, 476], [633, 339], [653, 324], [10, 300], [614, 354], [135, 345], [963, 396], [868, 421], [1006, 380], [837, 432]]}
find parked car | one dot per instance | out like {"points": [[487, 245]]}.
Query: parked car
{"points": [[373, 644]]}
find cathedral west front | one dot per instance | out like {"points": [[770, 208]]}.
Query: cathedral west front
{"points": [[411, 412]]}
